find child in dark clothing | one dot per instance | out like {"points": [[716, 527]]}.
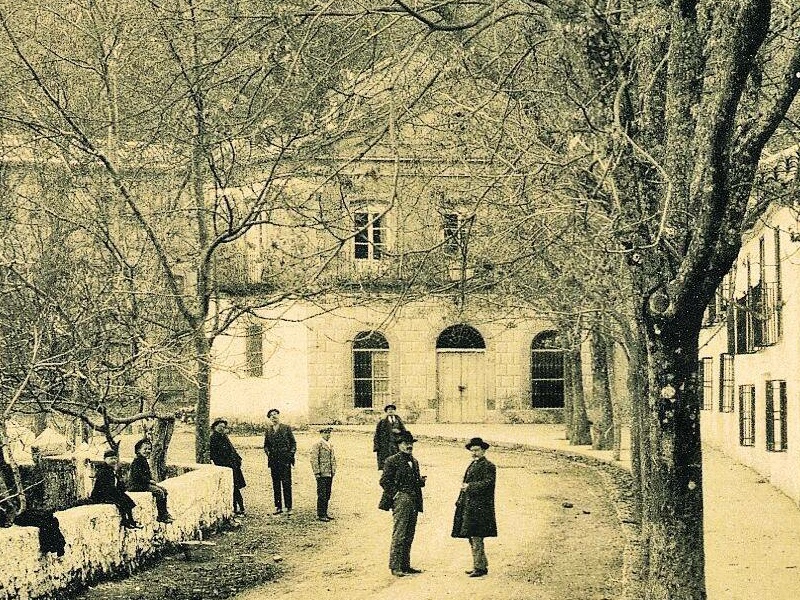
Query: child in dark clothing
{"points": [[141, 479], [109, 488]]}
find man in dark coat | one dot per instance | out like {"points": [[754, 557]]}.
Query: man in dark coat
{"points": [[140, 479], [280, 448], [402, 493], [387, 430], [109, 488], [223, 454], [475, 518]]}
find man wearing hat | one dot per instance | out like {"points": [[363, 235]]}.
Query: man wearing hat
{"points": [[109, 488], [323, 464], [223, 454], [402, 493], [475, 518], [386, 432], [280, 448]]}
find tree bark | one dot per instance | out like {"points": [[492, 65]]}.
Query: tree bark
{"points": [[202, 410], [671, 463], [581, 434], [161, 436], [601, 394]]}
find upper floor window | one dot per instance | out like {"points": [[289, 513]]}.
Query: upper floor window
{"points": [[370, 235], [254, 351], [776, 416], [705, 378], [747, 411], [455, 229], [370, 370]]}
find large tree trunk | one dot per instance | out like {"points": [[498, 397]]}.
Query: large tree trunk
{"points": [[581, 434], [601, 394], [12, 499], [671, 463], [161, 436], [203, 407]]}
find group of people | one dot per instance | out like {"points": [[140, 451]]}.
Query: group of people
{"points": [[402, 485], [111, 488], [400, 480]]}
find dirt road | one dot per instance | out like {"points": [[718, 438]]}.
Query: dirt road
{"points": [[544, 550]]}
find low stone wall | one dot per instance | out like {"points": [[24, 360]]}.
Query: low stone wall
{"points": [[199, 499]]}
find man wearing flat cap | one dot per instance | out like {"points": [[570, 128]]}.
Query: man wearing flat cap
{"points": [[402, 494], [323, 464], [280, 448], [223, 454], [386, 433], [474, 518]]}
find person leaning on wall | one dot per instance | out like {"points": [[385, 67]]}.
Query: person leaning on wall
{"points": [[223, 454]]}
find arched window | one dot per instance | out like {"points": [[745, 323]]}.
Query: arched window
{"points": [[547, 371], [460, 337], [370, 370]]}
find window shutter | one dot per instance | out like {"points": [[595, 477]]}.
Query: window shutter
{"points": [[784, 415]]}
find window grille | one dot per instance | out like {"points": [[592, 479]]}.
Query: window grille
{"points": [[776, 416], [747, 410], [254, 351], [726, 383], [370, 370], [705, 376]]}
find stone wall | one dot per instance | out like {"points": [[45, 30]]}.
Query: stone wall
{"points": [[199, 499]]}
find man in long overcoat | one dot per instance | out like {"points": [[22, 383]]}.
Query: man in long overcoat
{"points": [[280, 448], [402, 494], [384, 442], [223, 454], [474, 518]]}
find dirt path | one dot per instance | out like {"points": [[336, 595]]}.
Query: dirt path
{"points": [[544, 550]]}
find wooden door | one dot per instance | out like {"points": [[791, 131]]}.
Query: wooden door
{"points": [[461, 379]]}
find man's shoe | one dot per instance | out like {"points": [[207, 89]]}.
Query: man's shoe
{"points": [[330, 518], [478, 573], [289, 512], [131, 525], [412, 571], [167, 518], [398, 573], [278, 511], [323, 519]]}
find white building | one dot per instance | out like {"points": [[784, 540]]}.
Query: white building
{"points": [[750, 354]]}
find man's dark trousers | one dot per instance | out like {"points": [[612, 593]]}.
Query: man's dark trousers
{"points": [[324, 485], [282, 480], [405, 525]]}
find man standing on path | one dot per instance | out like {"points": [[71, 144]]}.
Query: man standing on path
{"points": [[384, 443], [280, 448], [475, 518], [402, 493], [323, 463]]}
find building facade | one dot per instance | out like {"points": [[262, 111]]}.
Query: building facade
{"points": [[749, 359]]}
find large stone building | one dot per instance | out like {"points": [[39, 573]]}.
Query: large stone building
{"points": [[406, 264]]}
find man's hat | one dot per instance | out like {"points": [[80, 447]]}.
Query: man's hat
{"points": [[325, 429], [405, 436], [218, 421], [476, 441], [108, 453], [273, 411], [388, 406]]}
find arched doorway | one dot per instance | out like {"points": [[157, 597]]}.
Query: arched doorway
{"points": [[461, 375], [547, 371]]}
